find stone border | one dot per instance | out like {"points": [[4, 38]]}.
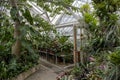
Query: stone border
{"points": [[27, 73]]}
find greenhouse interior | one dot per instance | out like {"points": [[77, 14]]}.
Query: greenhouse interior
{"points": [[60, 40]]}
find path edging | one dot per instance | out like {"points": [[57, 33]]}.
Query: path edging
{"points": [[27, 73]]}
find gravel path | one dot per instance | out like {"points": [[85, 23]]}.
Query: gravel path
{"points": [[43, 74], [48, 71]]}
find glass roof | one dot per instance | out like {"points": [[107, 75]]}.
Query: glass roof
{"points": [[57, 19], [75, 15], [36, 10], [63, 22], [66, 22]]}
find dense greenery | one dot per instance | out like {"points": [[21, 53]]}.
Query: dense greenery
{"points": [[107, 11], [22, 34], [57, 46], [104, 39], [11, 66], [102, 47]]}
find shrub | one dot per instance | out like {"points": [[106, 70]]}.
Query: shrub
{"points": [[11, 66]]}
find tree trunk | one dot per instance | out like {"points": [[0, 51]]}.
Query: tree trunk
{"points": [[16, 48]]}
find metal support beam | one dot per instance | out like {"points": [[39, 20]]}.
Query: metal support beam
{"points": [[67, 24], [75, 46]]}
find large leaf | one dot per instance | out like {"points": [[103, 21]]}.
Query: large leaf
{"points": [[28, 16], [13, 13], [26, 45]]}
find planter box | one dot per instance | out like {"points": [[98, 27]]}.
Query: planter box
{"points": [[24, 75]]}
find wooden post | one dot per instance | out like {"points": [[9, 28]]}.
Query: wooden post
{"points": [[78, 53], [56, 60], [81, 46], [75, 45]]}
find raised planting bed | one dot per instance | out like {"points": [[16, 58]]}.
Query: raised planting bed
{"points": [[27, 73], [56, 57]]}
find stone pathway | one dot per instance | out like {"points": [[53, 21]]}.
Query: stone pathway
{"points": [[43, 74], [48, 71]]}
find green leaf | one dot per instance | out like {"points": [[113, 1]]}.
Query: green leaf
{"points": [[28, 16], [115, 57], [13, 13]]}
